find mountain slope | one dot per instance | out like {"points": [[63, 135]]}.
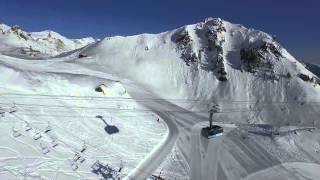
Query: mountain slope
{"points": [[216, 61], [14, 41]]}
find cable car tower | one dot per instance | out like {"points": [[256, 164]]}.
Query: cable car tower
{"points": [[212, 130]]}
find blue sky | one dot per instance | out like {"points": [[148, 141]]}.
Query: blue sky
{"points": [[295, 23]]}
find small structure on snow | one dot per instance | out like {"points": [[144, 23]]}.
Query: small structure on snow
{"points": [[106, 171], [100, 88], [83, 149], [74, 166], [16, 133], [54, 143], [44, 149], [48, 129], [82, 55], [37, 136], [27, 127]]}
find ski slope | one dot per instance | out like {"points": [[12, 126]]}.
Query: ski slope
{"points": [[71, 110]]}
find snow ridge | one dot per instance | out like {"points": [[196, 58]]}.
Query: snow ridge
{"points": [[15, 41]]}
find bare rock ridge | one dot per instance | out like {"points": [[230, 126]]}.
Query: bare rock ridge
{"points": [[259, 57], [213, 30]]}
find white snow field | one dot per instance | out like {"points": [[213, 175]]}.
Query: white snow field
{"points": [[133, 108]]}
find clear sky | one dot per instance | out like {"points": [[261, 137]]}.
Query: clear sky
{"points": [[296, 23]]}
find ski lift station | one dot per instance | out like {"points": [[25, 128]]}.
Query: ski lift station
{"points": [[212, 130]]}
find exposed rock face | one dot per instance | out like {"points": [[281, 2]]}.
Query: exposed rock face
{"points": [[15, 28], [184, 42], [184, 39], [308, 78], [259, 58], [215, 30], [211, 33], [18, 31]]}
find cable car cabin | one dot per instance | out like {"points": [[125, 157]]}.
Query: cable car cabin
{"points": [[212, 132]]}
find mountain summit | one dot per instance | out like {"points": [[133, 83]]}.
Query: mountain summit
{"points": [[216, 61]]}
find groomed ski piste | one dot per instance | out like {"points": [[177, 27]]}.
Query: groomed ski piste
{"points": [[134, 107], [62, 134]]}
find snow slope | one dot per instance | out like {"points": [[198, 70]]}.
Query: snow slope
{"points": [[172, 77], [77, 115], [247, 152]]}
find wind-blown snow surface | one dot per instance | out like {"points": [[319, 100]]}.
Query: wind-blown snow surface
{"points": [[174, 76]]}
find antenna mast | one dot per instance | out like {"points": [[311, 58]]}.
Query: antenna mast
{"points": [[214, 109]]}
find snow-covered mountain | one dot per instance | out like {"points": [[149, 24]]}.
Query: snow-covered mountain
{"points": [[15, 41], [216, 61], [154, 92]]}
